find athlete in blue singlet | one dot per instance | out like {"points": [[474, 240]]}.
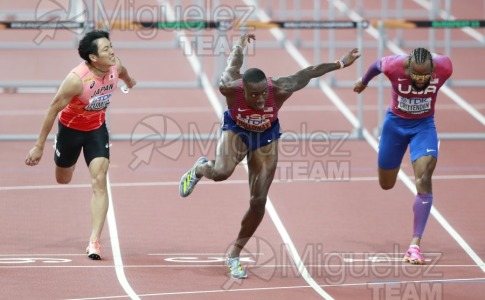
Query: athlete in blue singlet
{"points": [[251, 129], [415, 79]]}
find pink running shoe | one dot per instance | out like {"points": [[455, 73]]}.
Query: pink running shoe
{"points": [[93, 250], [414, 256]]}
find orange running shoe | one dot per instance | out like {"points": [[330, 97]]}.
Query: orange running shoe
{"points": [[93, 250]]}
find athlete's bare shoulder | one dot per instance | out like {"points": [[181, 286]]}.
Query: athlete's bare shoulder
{"points": [[282, 88], [228, 85], [72, 85]]}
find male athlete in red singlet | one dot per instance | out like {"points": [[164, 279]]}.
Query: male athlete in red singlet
{"points": [[81, 103], [251, 128], [415, 79]]}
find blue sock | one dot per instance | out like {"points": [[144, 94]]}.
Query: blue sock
{"points": [[421, 208]]}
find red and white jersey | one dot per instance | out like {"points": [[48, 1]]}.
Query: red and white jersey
{"points": [[250, 118], [88, 111], [406, 102]]}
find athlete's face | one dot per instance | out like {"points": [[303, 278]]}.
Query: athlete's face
{"points": [[106, 54], [420, 75], [256, 94]]}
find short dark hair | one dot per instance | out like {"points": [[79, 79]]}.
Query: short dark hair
{"points": [[253, 75], [421, 55], [89, 45]]}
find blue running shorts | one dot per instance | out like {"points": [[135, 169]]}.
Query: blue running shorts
{"points": [[398, 133], [252, 139]]}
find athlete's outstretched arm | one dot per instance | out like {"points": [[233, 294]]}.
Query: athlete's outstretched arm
{"points": [[234, 64], [372, 72], [301, 78], [70, 87]]}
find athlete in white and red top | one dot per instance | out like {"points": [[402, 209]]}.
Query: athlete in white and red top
{"points": [[251, 128], [415, 79], [81, 103]]}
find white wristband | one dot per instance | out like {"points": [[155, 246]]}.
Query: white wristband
{"points": [[237, 46], [341, 63]]}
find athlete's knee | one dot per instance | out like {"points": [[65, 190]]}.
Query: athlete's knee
{"points": [[98, 181], [64, 175], [63, 179], [423, 174], [423, 181], [387, 178], [258, 204], [221, 174], [386, 184]]}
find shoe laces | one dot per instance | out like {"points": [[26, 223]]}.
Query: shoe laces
{"points": [[235, 264], [415, 252]]}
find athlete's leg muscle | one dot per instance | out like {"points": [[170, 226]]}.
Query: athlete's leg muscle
{"points": [[387, 178], [98, 168], [262, 164], [423, 171], [230, 151], [64, 175]]}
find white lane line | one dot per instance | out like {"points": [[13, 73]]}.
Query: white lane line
{"points": [[362, 284], [115, 247], [235, 181], [391, 264]]}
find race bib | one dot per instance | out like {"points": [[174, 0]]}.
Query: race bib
{"points": [[99, 102], [414, 106], [258, 123]]}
